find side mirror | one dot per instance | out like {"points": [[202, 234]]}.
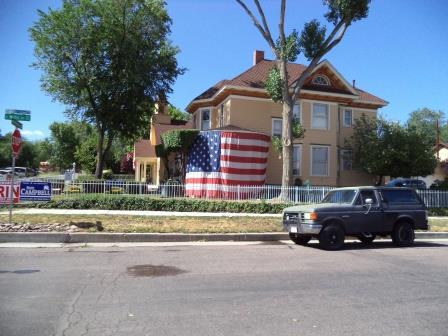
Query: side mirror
{"points": [[369, 201]]}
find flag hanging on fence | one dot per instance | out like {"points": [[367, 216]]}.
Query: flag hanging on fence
{"points": [[221, 162]]}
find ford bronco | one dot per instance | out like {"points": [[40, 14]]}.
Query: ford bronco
{"points": [[362, 212]]}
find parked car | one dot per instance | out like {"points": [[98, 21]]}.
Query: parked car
{"points": [[22, 171], [362, 212], [410, 183]]}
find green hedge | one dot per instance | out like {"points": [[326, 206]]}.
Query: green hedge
{"points": [[156, 204], [438, 212]]}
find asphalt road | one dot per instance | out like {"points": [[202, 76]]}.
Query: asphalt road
{"points": [[229, 289]]}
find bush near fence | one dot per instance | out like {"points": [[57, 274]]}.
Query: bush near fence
{"points": [[118, 202]]}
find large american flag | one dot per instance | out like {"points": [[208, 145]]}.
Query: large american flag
{"points": [[220, 161]]}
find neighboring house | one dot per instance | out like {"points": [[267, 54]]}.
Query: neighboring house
{"points": [[441, 170], [327, 108], [148, 167]]}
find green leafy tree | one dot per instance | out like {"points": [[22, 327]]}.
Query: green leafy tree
{"points": [[176, 114], [64, 141], [385, 148], [314, 43], [108, 61], [426, 120]]}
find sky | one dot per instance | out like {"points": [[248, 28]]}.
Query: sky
{"points": [[398, 53]]}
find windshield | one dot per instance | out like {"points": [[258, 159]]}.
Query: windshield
{"points": [[345, 196]]}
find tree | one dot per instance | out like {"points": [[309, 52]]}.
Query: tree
{"points": [[425, 120], [65, 141], [314, 43], [108, 61], [385, 148], [176, 114]]}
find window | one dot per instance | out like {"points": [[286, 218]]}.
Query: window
{"points": [[399, 196], [346, 159], [277, 126], [320, 116], [321, 80], [221, 116], [365, 194], [348, 118], [296, 113], [205, 119], [319, 160], [296, 158]]}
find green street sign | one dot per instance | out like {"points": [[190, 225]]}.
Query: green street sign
{"points": [[9, 111], [21, 117], [16, 123]]}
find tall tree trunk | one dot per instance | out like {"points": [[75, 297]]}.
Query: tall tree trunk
{"points": [[99, 154], [379, 181], [286, 131]]}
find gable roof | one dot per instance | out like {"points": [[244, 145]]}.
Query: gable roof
{"points": [[254, 78]]}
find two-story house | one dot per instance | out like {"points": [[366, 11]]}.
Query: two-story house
{"points": [[148, 167], [327, 108]]}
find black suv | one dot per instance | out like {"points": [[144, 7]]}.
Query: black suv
{"points": [[363, 212]]}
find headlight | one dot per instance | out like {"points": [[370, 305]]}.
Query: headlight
{"points": [[310, 216]]}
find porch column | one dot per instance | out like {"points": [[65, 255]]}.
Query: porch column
{"points": [[137, 171]]}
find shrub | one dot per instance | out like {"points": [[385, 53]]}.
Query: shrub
{"points": [[158, 204]]}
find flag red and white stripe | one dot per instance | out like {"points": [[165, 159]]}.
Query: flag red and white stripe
{"points": [[240, 161]]}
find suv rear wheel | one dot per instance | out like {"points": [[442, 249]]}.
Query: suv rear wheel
{"points": [[403, 234], [299, 239], [332, 237]]}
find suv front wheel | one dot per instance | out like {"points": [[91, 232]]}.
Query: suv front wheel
{"points": [[299, 239], [332, 237], [403, 234]]}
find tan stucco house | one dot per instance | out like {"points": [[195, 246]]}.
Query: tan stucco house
{"points": [[148, 167], [327, 108]]}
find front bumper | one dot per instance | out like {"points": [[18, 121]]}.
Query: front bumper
{"points": [[303, 228]]}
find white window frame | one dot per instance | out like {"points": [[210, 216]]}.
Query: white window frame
{"points": [[351, 117], [299, 166], [328, 116], [209, 109], [328, 159], [327, 80], [272, 126], [299, 104], [343, 151]]}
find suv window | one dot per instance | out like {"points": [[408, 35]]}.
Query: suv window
{"points": [[400, 196], [365, 194]]}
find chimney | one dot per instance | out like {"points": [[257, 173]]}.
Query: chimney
{"points": [[258, 56], [353, 84]]}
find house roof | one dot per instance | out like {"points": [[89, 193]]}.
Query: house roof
{"points": [[143, 148], [235, 129], [255, 76], [159, 129]]}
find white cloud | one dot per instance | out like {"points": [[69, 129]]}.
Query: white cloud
{"points": [[33, 134]]}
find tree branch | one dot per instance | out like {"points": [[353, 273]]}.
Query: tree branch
{"points": [[281, 28], [266, 34], [327, 46], [265, 23]]}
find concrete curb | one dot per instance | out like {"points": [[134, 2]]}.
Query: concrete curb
{"points": [[67, 237]]}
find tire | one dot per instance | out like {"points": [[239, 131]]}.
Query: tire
{"points": [[403, 234], [299, 239], [332, 237], [366, 238]]}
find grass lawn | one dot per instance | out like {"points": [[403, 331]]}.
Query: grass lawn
{"points": [[117, 223]]}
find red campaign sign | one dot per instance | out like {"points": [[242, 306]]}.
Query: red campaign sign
{"points": [[4, 192], [16, 142]]}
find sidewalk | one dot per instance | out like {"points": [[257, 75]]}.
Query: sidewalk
{"points": [[133, 213]]}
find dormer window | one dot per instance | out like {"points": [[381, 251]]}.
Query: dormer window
{"points": [[321, 80]]}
